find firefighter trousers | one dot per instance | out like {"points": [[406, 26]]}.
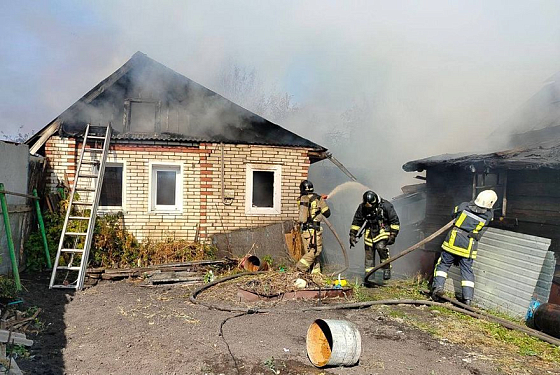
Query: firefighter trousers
{"points": [[446, 260], [312, 250], [382, 250]]}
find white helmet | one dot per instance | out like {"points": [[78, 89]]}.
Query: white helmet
{"points": [[486, 199]]}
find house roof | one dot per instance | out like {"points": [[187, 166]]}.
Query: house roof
{"points": [[205, 115], [541, 155]]}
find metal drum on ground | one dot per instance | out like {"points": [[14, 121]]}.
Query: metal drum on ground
{"points": [[333, 343]]}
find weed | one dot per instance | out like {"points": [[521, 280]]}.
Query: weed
{"points": [[7, 287], [268, 260], [360, 293], [395, 313], [208, 277], [112, 246], [271, 365], [17, 351]]}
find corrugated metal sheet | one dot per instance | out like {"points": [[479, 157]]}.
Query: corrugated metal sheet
{"points": [[510, 268]]}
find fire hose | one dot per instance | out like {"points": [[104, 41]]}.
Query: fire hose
{"points": [[411, 248], [344, 252], [457, 306]]}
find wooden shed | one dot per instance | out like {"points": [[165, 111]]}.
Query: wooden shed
{"points": [[526, 179]]}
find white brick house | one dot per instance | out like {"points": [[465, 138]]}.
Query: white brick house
{"points": [[182, 158]]}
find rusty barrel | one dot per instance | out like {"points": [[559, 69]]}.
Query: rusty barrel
{"points": [[547, 319], [333, 343]]}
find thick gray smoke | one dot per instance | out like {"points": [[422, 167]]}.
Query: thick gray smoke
{"points": [[378, 83]]}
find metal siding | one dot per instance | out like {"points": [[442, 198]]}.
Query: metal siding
{"points": [[509, 269], [13, 174]]}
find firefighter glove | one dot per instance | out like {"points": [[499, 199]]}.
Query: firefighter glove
{"points": [[476, 236], [353, 240], [391, 239]]}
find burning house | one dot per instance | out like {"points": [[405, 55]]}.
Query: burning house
{"points": [[183, 160], [526, 179]]}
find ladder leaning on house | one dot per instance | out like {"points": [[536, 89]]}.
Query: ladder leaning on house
{"points": [[79, 223]]}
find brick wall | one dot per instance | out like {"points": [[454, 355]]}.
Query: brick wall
{"points": [[201, 184]]}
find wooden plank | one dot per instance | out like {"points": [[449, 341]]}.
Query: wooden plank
{"points": [[542, 175], [172, 280], [19, 194], [14, 339], [14, 334], [14, 209], [537, 204], [544, 189]]}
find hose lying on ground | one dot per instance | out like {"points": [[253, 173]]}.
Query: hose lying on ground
{"points": [[361, 305]]}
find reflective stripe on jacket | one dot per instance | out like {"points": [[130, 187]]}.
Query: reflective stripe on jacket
{"points": [[469, 219], [312, 208], [381, 222]]}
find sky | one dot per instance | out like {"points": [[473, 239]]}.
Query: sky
{"points": [[379, 83]]}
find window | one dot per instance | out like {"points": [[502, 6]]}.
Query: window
{"points": [[165, 187], [112, 191], [492, 180], [141, 116], [263, 189]]}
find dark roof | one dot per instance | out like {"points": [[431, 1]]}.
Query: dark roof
{"points": [[536, 156], [205, 115]]}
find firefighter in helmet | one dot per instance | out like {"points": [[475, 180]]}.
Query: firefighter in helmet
{"points": [[459, 247], [381, 229], [312, 209]]}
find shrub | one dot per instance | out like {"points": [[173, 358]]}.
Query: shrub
{"points": [[112, 246]]}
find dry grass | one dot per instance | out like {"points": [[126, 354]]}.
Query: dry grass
{"points": [[172, 251], [270, 284], [512, 351]]}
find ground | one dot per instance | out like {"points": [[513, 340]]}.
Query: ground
{"points": [[124, 328]]}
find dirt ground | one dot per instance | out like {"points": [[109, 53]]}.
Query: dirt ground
{"points": [[124, 328]]}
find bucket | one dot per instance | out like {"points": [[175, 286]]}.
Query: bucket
{"points": [[333, 343], [250, 263]]}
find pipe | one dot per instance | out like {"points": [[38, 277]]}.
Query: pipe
{"points": [[547, 319], [222, 176], [412, 248], [42, 228], [361, 305], [340, 166], [344, 252]]}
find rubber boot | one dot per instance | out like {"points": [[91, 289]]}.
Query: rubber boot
{"points": [[387, 274], [467, 302], [437, 293]]}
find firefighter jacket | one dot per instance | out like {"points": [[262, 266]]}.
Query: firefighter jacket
{"points": [[381, 222], [312, 209], [471, 222]]}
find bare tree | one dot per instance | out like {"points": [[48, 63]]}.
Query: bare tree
{"points": [[20, 137], [243, 86]]}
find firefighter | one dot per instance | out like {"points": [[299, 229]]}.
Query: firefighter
{"points": [[312, 209], [459, 247], [381, 229]]}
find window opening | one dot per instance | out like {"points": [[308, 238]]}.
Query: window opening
{"points": [[112, 189], [263, 189]]}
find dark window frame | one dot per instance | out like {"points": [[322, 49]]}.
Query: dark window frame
{"points": [[122, 190], [127, 115], [480, 183]]}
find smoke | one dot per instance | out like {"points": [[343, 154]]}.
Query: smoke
{"points": [[378, 83]]}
